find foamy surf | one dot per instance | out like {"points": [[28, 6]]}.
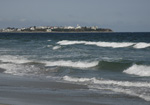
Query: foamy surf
{"points": [[100, 44], [69, 63], [14, 59], [131, 91], [139, 45], [17, 69], [126, 87], [110, 44], [66, 42], [140, 70], [107, 82]]}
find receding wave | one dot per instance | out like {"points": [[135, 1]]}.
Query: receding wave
{"points": [[78, 64], [109, 82], [140, 70], [126, 87], [138, 45]]}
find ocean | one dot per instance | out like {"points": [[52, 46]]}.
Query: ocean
{"points": [[75, 68]]}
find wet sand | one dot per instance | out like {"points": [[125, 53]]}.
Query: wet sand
{"points": [[15, 90]]}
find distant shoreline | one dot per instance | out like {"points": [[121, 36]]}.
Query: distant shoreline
{"points": [[74, 32], [59, 32], [54, 29]]}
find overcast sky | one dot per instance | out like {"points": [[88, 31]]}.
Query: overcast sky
{"points": [[119, 15]]}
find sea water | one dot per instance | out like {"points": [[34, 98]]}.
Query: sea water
{"points": [[114, 66]]}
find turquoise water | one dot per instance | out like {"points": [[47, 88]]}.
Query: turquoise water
{"points": [[115, 64]]}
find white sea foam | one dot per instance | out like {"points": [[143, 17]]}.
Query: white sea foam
{"points": [[126, 87], [69, 63], [72, 79], [66, 42], [48, 40], [110, 44], [100, 44], [14, 59], [131, 92], [141, 45], [107, 82], [56, 47], [17, 69], [140, 70]]}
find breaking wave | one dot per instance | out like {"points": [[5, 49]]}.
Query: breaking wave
{"points": [[69, 63], [140, 70], [139, 45], [14, 59], [64, 63], [17, 69]]}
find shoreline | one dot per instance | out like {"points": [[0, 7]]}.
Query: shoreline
{"points": [[20, 90]]}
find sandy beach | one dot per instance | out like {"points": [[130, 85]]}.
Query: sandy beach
{"points": [[32, 91]]}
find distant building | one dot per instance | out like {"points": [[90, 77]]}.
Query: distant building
{"points": [[48, 30], [94, 27], [18, 29], [41, 27], [69, 27], [55, 27], [78, 27], [32, 28]]}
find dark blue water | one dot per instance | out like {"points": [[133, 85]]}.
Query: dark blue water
{"points": [[111, 63]]}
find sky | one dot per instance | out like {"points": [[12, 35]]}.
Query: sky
{"points": [[118, 15]]}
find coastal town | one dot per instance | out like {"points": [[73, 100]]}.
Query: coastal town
{"points": [[78, 28]]}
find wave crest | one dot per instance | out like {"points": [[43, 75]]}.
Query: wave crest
{"points": [[140, 70], [69, 63], [141, 45], [138, 45]]}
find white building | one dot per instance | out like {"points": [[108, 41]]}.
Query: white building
{"points": [[48, 30], [78, 27], [69, 27], [18, 29], [32, 28], [94, 27]]}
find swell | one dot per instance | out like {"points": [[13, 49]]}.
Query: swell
{"points": [[141, 69], [113, 65], [18, 64]]}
